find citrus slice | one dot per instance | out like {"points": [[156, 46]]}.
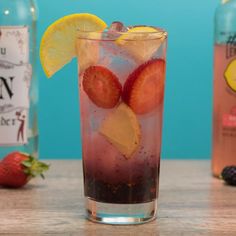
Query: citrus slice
{"points": [[141, 42], [121, 128], [230, 75], [58, 45]]}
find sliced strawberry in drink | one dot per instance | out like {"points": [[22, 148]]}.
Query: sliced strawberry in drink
{"points": [[144, 89], [102, 86]]}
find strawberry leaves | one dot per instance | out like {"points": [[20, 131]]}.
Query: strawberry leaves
{"points": [[33, 167]]}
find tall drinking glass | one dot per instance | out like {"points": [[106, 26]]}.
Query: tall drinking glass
{"points": [[121, 87]]}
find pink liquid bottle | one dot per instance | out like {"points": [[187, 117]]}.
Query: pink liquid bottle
{"points": [[224, 115]]}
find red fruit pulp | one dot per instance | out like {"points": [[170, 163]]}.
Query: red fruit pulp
{"points": [[102, 86], [144, 89]]}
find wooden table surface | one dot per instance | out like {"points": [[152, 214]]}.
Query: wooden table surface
{"points": [[191, 202]]}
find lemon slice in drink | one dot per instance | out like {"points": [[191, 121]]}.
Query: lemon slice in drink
{"points": [[121, 128], [230, 75], [141, 42], [58, 45]]}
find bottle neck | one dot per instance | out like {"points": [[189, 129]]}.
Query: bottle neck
{"points": [[17, 12]]}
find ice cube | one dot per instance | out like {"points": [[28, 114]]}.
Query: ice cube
{"points": [[115, 29], [117, 26], [109, 44]]}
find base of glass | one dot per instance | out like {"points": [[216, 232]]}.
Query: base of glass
{"points": [[120, 214]]}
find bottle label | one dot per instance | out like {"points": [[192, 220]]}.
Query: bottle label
{"points": [[15, 78], [229, 123], [231, 46], [230, 75], [229, 120], [230, 72]]}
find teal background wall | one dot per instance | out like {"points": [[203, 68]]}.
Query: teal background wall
{"points": [[187, 126]]}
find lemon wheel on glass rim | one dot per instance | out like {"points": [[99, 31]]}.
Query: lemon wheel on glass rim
{"points": [[58, 44], [141, 42]]}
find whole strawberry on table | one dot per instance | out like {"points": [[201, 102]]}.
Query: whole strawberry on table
{"points": [[17, 169]]}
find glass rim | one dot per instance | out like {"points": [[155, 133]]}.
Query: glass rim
{"points": [[107, 35]]}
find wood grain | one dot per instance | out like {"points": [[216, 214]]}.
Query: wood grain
{"points": [[191, 203]]}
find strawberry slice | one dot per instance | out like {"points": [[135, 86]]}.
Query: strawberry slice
{"points": [[102, 86], [144, 89]]}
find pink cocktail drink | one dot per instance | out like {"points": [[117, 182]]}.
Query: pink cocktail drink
{"points": [[121, 80], [121, 88]]}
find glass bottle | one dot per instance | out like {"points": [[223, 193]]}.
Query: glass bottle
{"points": [[18, 81], [224, 115]]}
